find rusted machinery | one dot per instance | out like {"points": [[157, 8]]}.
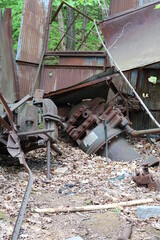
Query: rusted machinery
{"points": [[26, 125], [145, 178], [86, 125]]}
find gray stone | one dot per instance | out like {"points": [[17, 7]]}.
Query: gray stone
{"points": [[61, 171], [23, 175], [146, 212], [2, 178], [75, 238]]}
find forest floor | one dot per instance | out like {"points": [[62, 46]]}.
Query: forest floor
{"points": [[76, 180]]}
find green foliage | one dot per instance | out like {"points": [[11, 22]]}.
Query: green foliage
{"points": [[157, 6], [93, 12]]}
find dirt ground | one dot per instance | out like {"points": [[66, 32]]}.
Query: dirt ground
{"points": [[76, 180]]}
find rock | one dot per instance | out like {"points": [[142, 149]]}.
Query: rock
{"points": [[61, 171], [2, 179], [23, 175], [60, 190], [158, 198], [70, 185], [145, 212], [75, 238]]}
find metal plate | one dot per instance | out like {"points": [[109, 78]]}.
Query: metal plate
{"points": [[32, 40], [133, 37], [8, 78], [117, 6]]}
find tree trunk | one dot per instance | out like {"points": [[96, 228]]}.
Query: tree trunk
{"points": [[84, 33], [61, 26], [70, 43]]}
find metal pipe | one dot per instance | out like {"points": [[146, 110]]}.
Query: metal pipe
{"points": [[135, 133], [57, 150], [36, 132]]}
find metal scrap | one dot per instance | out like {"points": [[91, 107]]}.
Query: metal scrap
{"points": [[146, 179], [14, 149], [86, 126]]}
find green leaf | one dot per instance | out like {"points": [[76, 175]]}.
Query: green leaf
{"points": [[157, 6], [152, 79]]}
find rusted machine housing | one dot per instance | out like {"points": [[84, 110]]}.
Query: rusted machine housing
{"points": [[32, 119], [86, 126]]}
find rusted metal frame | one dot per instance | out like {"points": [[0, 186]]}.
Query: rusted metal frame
{"points": [[76, 53], [70, 36], [24, 204], [74, 67], [66, 31], [7, 109], [60, 6], [56, 13], [81, 13], [35, 132], [38, 72], [65, 66], [85, 38], [14, 148], [4, 123]]}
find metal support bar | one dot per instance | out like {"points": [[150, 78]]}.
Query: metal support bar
{"points": [[48, 159], [36, 132], [60, 6], [66, 31], [106, 139], [71, 37], [85, 38]]}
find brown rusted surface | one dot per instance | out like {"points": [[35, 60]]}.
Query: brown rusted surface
{"points": [[129, 37], [9, 84], [91, 87], [32, 31], [26, 77], [32, 41], [117, 6], [146, 179], [60, 77]]}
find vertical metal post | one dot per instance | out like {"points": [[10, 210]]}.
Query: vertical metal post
{"points": [[48, 158], [106, 139]]}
